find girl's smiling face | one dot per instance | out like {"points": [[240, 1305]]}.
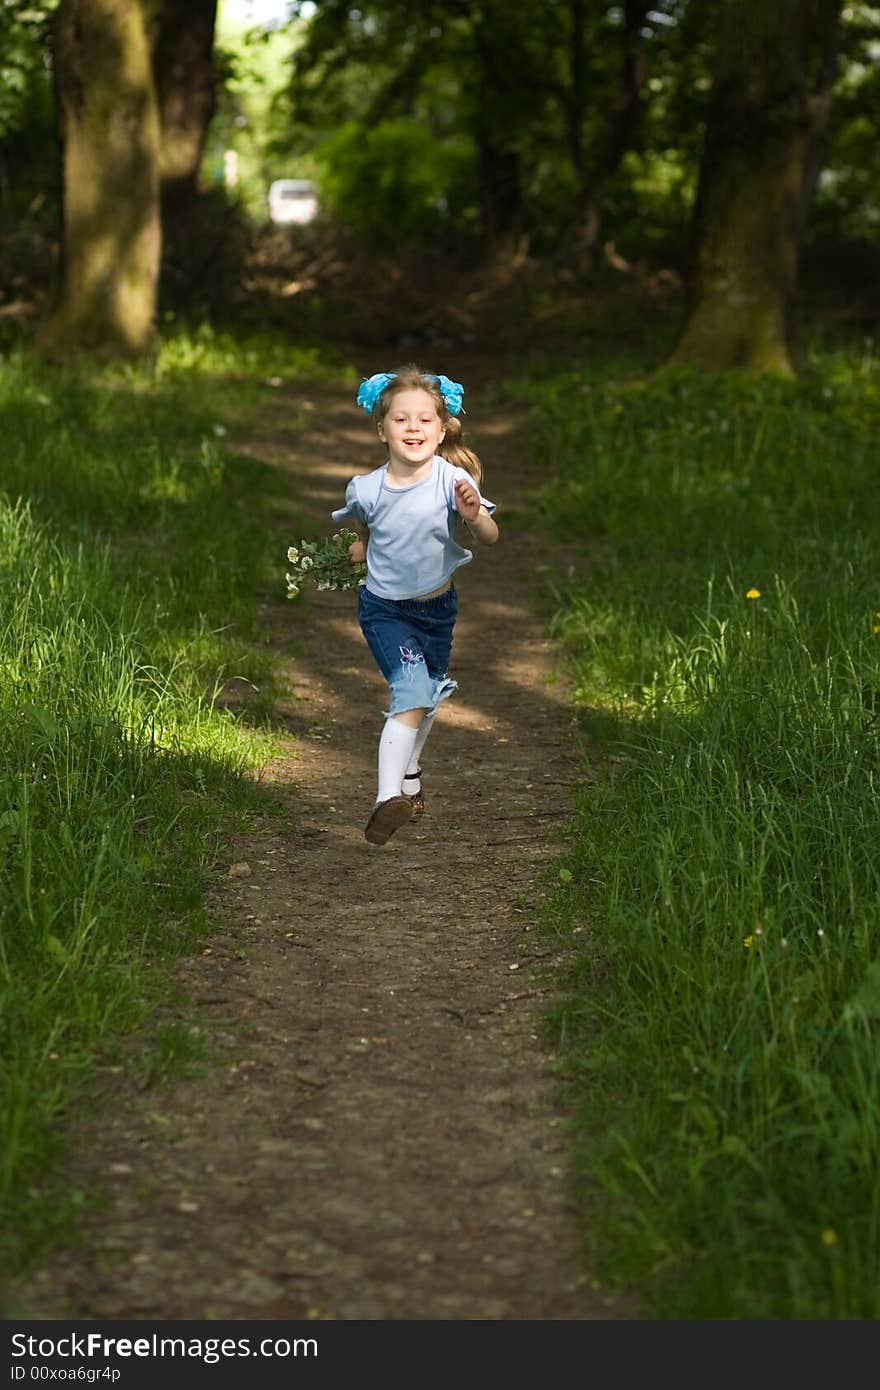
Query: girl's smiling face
{"points": [[412, 429]]}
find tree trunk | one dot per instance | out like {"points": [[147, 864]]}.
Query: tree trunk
{"points": [[828, 17], [501, 206], [752, 188], [111, 233], [593, 173], [183, 71], [184, 75], [502, 210]]}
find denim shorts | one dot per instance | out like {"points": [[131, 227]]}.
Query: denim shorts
{"points": [[411, 639]]}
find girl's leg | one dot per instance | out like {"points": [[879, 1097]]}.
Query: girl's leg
{"points": [[396, 750], [411, 780], [392, 808], [436, 637], [396, 636]]}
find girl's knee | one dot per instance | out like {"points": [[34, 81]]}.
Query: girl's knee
{"points": [[411, 717]]}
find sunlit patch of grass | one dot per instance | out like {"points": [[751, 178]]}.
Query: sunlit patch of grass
{"points": [[133, 546], [722, 889]]}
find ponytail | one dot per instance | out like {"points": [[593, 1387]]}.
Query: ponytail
{"points": [[457, 452]]}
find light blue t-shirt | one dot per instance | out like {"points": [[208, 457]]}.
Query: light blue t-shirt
{"points": [[412, 548]]}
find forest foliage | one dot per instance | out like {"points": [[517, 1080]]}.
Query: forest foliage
{"points": [[467, 123]]}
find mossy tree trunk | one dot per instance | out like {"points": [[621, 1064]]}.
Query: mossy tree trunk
{"points": [[763, 123], [111, 235]]}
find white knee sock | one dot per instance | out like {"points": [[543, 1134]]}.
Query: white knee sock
{"points": [[395, 751], [412, 784]]}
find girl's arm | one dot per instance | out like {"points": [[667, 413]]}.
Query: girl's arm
{"points": [[478, 521], [357, 551]]}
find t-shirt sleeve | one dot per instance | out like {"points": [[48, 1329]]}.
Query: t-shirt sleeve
{"points": [[453, 477], [353, 509]]}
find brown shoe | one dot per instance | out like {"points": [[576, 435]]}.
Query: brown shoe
{"points": [[386, 817], [417, 800]]}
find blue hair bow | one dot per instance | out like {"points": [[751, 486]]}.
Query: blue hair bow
{"points": [[372, 387], [452, 392]]}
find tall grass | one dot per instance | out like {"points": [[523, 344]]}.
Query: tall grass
{"points": [[133, 546], [722, 884]]}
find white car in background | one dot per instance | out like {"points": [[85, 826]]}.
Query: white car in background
{"points": [[293, 200]]}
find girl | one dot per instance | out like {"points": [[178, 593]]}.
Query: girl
{"points": [[407, 512]]}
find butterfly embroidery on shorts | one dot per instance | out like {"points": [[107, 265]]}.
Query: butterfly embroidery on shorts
{"points": [[410, 660]]}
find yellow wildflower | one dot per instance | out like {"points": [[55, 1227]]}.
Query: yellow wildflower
{"points": [[748, 941], [830, 1236], [753, 593]]}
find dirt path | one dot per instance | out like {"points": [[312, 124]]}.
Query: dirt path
{"points": [[380, 1138]]}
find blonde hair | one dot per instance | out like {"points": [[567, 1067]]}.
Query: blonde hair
{"points": [[451, 446]]}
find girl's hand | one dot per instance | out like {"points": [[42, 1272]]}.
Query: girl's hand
{"points": [[357, 553], [467, 500]]}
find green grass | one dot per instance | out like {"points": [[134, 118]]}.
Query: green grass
{"points": [[721, 890], [133, 547]]}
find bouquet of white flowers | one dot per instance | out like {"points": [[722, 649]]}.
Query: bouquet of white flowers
{"points": [[325, 563]]}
